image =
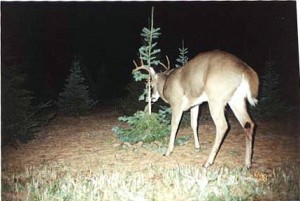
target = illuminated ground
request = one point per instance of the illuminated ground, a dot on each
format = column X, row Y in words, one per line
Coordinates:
column 88, row 143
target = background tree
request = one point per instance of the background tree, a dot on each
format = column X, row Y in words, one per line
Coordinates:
column 16, row 104
column 182, row 58
column 99, row 76
column 20, row 117
column 128, row 104
column 75, row 99
column 271, row 103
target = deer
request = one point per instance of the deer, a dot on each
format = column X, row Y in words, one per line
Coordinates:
column 216, row 77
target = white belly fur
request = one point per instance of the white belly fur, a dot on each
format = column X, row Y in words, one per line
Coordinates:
column 187, row 104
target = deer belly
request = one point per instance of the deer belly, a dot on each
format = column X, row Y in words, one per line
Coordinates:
column 188, row 102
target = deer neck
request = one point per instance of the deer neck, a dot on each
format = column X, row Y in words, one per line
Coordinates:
column 160, row 85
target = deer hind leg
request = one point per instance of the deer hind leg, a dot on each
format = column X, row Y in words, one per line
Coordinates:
column 217, row 113
column 239, row 109
column 194, row 125
column 176, row 116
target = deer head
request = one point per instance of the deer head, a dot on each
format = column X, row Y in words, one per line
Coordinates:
column 157, row 79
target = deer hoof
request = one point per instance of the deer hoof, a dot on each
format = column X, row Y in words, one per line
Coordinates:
column 207, row 164
column 167, row 153
column 248, row 166
column 197, row 149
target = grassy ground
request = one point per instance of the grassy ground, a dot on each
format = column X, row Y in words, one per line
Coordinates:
column 81, row 159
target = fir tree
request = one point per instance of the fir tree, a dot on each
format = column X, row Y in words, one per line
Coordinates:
column 20, row 118
column 148, row 53
column 270, row 103
column 75, row 99
column 182, row 58
column 145, row 126
column 16, row 104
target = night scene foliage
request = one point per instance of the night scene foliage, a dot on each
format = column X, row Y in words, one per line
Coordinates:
column 145, row 126
column 98, row 77
column 182, row 58
column 75, row 99
column 148, row 53
column 17, row 104
column 20, row 118
column 271, row 105
column 128, row 104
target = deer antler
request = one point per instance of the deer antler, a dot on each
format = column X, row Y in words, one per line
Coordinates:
column 142, row 67
column 167, row 68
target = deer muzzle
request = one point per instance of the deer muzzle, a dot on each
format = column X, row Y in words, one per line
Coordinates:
column 154, row 97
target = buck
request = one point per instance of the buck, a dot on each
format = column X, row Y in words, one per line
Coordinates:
column 217, row 77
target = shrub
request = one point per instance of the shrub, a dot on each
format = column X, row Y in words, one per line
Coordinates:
column 143, row 127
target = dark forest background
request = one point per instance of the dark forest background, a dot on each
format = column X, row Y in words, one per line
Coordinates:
column 44, row 36
column 41, row 40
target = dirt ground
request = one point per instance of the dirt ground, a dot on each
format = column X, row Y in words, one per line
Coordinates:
column 88, row 143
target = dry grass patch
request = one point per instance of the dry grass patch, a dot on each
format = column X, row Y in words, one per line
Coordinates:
column 59, row 182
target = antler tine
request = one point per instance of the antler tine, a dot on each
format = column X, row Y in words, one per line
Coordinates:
column 142, row 67
column 168, row 62
column 135, row 64
column 163, row 65
column 167, row 68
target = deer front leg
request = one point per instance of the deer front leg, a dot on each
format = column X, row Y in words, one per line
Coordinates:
column 176, row 116
column 194, row 125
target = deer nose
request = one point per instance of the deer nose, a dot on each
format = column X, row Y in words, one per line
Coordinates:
column 154, row 99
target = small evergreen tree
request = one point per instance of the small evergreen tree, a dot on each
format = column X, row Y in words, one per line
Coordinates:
column 182, row 58
column 75, row 99
column 16, row 104
column 148, row 53
column 20, row 119
column 271, row 104
column 145, row 126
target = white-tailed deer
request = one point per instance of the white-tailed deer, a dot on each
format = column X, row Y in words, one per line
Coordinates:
column 216, row 77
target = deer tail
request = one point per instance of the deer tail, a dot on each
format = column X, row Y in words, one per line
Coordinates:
column 251, row 79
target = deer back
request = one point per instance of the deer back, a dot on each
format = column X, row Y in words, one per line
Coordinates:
column 216, row 74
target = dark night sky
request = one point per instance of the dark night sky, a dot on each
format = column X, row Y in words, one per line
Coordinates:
column 43, row 36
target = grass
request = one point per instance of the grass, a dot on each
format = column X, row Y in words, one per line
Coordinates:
column 58, row 182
